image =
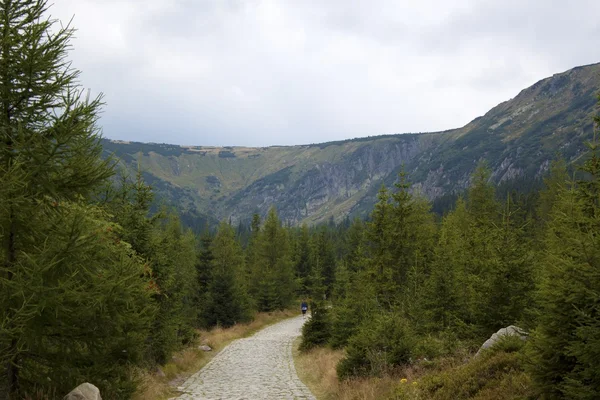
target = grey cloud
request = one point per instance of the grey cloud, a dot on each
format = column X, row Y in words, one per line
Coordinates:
column 261, row 72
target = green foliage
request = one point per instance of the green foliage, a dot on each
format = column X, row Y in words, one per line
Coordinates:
column 493, row 375
column 381, row 344
column 227, row 301
column 316, row 331
column 302, row 260
column 58, row 342
column 566, row 343
column 360, row 304
column 271, row 276
column 173, row 270
column 323, row 258
column 74, row 298
column 203, row 274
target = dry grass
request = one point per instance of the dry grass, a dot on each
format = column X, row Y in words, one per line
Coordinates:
column 494, row 376
column 316, row 368
column 159, row 385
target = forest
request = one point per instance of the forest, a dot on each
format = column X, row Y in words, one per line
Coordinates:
column 94, row 286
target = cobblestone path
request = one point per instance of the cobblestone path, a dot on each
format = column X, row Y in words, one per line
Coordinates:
column 257, row 367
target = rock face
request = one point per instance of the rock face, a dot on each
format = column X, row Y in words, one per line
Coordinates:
column 315, row 183
column 85, row 391
column 508, row 331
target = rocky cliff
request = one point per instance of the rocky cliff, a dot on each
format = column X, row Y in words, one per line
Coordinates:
column 314, row 183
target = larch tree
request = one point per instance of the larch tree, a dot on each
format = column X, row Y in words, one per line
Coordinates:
column 74, row 299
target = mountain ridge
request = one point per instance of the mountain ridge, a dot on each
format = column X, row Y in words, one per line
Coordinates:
column 315, row 182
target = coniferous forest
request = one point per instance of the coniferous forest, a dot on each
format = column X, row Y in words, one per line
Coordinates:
column 94, row 286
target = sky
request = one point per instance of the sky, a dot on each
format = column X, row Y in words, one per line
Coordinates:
column 285, row 72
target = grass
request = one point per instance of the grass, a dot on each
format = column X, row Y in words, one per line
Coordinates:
column 495, row 375
column 159, row 384
column 316, row 368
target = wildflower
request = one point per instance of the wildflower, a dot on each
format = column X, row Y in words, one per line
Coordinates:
column 403, row 380
column 414, row 382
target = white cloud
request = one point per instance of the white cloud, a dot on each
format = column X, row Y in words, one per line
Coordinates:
column 262, row 72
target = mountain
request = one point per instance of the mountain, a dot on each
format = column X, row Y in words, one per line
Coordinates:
column 314, row 183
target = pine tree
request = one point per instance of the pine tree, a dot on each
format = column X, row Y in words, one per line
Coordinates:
column 510, row 284
column 227, row 301
column 204, row 275
column 443, row 293
column 272, row 277
column 302, row 261
column 323, row 257
column 566, row 345
column 57, row 251
column 483, row 258
column 173, row 262
column 355, row 246
column 554, row 184
column 317, row 331
column 413, row 237
column 380, row 257
column 131, row 208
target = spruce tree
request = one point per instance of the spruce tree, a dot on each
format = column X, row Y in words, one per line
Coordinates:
column 302, row 260
column 355, row 246
column 413, row 237
column 323, row 257
column 380, row 257
column 173, row 263
column 566, row 344
column 227, row 301
column 510, row 284
column 443, row 292
column 204, row 276
column 272, row 277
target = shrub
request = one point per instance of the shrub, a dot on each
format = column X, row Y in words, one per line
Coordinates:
column 317, row 330
column 382, row 343
column 494, row 375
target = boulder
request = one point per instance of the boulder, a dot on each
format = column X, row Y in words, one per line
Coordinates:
column 508, row 331
column 85, row 391
column 205, row 347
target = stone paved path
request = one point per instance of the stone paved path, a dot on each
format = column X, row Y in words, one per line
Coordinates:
column 258, row 367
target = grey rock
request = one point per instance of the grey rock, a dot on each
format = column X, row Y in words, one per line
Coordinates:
column 508, row 331
column 205, row 347
column 85, row 391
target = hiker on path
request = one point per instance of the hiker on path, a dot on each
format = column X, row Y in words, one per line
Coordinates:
column 304, row 308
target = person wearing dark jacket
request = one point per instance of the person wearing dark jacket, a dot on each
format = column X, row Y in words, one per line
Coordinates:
column 304, row 308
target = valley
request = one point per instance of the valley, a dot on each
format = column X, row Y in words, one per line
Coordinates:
column 315, row 183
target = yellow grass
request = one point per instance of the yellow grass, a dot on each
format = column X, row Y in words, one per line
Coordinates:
column 316, row 368
column 495, row 376
column 189, row 360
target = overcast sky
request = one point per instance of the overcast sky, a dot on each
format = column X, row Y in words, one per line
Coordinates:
column 260, row 72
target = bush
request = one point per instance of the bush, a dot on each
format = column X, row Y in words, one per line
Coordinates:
column 317, row 330
column 434, row 346
column 508, row 344
column 494, row 375
column 382, row 343
column 343, row 326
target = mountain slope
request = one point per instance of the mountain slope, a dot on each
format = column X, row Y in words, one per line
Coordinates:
column 313, row 183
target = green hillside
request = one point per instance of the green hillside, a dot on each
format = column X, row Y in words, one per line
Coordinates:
column 313, row 183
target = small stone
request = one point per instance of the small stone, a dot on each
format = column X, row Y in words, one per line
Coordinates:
column 205, row 347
